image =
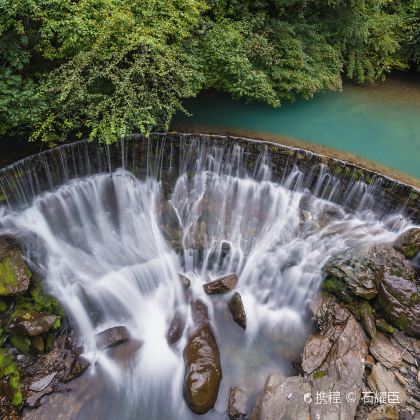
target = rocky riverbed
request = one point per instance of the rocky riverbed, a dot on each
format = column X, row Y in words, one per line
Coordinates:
column 362, row 362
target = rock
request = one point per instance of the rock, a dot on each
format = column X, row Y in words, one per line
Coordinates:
column 315, row 353
column 415, row 403
column 32, row 324
column 384, row 380
column 35, row 400
column 341, row 372
column 408, row 243
column 384, row 351
column 399, row 302
column 176, row 328
column 78, row 367
column 37, row 344
column 203, row 370
column 42, row 383
column 111, row 337
column 384, row 412
column 199, row 312
column 361, row 271
column 368, row 319
column 14, row 273
column 222, row 285
column 171, row 225
column 185, row 281
column 237, row 310
column 369, row 361
column 237, row 404
column 282, row 398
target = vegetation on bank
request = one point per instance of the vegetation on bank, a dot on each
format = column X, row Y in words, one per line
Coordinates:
column 106, row 67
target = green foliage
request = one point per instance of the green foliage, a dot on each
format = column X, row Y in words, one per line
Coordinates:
column 10, row 370
column 105, row 68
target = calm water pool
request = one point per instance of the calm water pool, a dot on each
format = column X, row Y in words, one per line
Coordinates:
column 380, row 123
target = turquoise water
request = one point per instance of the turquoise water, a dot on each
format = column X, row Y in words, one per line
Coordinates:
column 381, row 125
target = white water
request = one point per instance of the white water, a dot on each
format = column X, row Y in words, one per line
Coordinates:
column 105, row 257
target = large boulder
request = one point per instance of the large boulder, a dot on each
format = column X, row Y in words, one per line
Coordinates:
column 222, row 285
column 408, row 243
column 334, row 359
column 282, row 398
column 360, row 272
column 203, row 372
column 399, row 302
column 237, row 310
column 14, row 273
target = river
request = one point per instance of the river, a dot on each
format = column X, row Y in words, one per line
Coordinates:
column 379, row 123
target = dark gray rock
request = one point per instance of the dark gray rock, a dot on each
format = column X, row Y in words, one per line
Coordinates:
column 176, row 328
column 237, row 310
column 111, row 337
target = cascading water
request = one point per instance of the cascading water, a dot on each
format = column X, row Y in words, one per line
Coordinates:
column 110, row 244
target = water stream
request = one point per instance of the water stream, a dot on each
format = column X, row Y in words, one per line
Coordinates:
column 110, row 236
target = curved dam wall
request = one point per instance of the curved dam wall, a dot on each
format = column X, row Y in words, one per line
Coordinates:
column 162, row 154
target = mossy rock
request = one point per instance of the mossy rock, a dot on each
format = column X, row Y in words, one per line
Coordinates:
column 408, row 243
column 14, row 274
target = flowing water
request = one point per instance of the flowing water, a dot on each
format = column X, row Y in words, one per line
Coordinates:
column 110, row 236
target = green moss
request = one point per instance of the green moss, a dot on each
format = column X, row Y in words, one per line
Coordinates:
column 23, row 344
column 3, row 305
column 319, row 374
column 10, row 370
column 385, row 327
column 8, row 278
column 337, row 287
column 414, row 297
column 402, row 322
column 49, row 341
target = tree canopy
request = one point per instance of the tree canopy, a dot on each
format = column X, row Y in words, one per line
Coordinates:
column 105, row 68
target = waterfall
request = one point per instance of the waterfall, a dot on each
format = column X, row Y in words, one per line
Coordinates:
column 111, row 229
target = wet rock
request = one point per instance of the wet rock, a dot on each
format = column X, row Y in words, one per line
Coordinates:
column 399, row 302
column 37, row 344
column 171, row 225
column 237, row 310
column 42, row 383
column 35, row 399
column 203, row 370
column 222, row 285
column 14, row 273
column 199, row 312
column 185, row 281
column 413, row 402
column 368, row 319
column 78, row 367
column 384, row 412
column 112, row 337
column 408, row 243
column 176, row 328
column 384, row 380
column 237, row 404
column 32, row 324
column 384, row 351
column 282, row 398
column 361, row 271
